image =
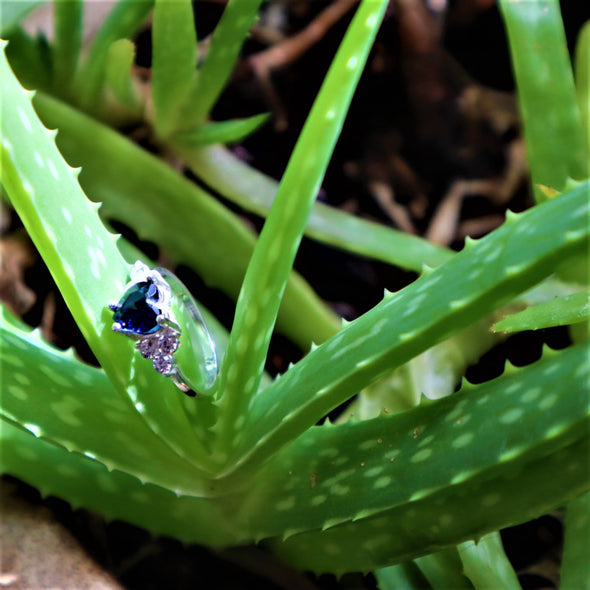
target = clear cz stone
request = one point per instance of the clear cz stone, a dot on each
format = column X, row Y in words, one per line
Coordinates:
column 163, row 364
column 147, row 347
column 168, row 344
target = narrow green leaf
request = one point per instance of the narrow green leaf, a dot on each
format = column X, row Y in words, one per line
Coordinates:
column 552, row 125
column 174, row 62
column 575, row 567
column 255, row 192
column 118, row 74
column 230, row 131
column 405, row 575
column 486, row 564
column 162, row 206
column 86, row 483
column 582, row 76
column 84, row 261
column 359, row 469
column 67, row 18
column 561, row 311
column 486, row 274
column 79, row 405
column 220, row 60
column 340, row 549
column 121, row 23
column 275, row 251
column 30, row 58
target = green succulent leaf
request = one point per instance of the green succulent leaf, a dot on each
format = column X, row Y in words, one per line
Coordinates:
column 229, row 131
column 66, row 46
column 255, row 192
column 275, row 251
column 497, row 472
column 174, row 62
column 575, row 568
column 486, row 564
column 220, row 59
column 360, row 469
column 117, row 75
column 121, row 23
column 30, row 58
column 84, row 261
column 561, row 311
column 582, row 77
column 555, row 143
column 79, row 406
column 87, row 483
column 189, row 224
column 486, row 274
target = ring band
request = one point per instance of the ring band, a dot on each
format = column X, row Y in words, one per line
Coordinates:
column 145, row 314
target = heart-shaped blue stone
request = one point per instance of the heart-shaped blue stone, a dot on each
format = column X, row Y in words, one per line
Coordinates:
column 134, row 314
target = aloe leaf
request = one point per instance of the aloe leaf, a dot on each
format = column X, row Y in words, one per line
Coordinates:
column 121, row 23
column 228, row 131
column 575, row 567
column 582, row 77
column 360, row 469
column 255, row 192
column 174, row 62
column 83, row 259
column 405, row 575
column 117, row 74
column 486, row 274
column 561, row 311
column 275, row 251
column 88, row 484
column 30, row 58
column 67, row 18
column 160, row 205
column 443, row 570
column 45, row 192
column 486, row 564
column 555, row 142
column 79, row 405
column 491, row 472
column 433, row 374
column 222, row 54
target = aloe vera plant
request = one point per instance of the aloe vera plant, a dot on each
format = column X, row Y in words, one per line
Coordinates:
column 247, row 462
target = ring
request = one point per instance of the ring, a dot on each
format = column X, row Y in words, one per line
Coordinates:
column 145, row 313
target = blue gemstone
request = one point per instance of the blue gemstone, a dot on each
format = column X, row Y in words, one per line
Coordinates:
column 133, row 312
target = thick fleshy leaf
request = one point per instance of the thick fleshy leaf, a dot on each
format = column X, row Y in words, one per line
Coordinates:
column 561, row 311
column 555, row 142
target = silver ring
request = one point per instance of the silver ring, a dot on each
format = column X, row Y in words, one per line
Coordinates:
column 147, row 313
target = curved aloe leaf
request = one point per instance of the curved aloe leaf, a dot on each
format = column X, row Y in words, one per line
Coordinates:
column 575, row 568
column 214, row 132
column 255, row 192
column 492, row 481
column 486, row 274
column 79, row 406
column 555, row 142
column 84, row 261
column 67, row 44
column 174, row 62
column 561, row 311
column 222, row 54
column 582, row 76
column 160, row 205
column 121, row 23
column 275, row 251
column 87, row 483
